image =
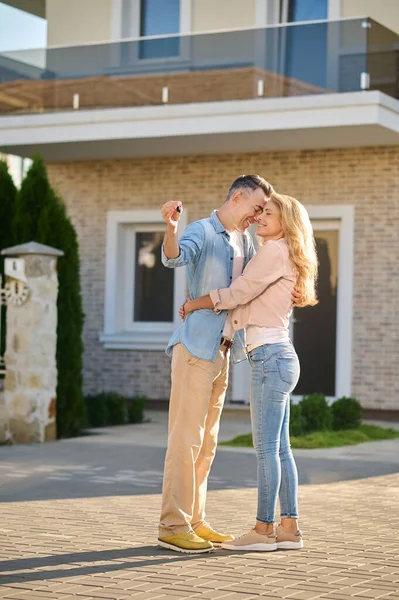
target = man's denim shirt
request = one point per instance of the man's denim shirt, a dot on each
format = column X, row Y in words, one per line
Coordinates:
column 205, row 249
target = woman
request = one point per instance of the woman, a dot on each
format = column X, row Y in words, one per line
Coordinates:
column 261, row 302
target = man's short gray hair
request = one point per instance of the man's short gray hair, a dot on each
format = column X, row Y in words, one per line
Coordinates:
column 250, row 183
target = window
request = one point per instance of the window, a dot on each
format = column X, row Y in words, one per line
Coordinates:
column 142, row 297
column 305, row 10
column 149, row 286
column 304, row 47
column 152, row 283
column 160, row 21
column 159, row 17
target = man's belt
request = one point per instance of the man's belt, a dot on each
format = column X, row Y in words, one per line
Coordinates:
column 226, row 342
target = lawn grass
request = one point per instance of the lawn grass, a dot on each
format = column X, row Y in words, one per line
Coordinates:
column 328, row 439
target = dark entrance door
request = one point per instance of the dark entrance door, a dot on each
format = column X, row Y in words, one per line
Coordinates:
column 315, row 328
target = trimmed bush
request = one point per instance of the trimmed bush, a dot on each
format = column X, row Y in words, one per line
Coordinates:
column 41, row 216
column 110, row 408
column 346, row 413
column 96, row 410
column 135, row 409
column 116, row 405
column 316, row 413
column 104, row 409
column 8, row 195
column 297, row 425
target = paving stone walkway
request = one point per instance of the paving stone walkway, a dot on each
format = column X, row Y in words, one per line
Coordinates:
column 104, row 548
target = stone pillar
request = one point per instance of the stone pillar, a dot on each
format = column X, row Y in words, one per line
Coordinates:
column 30, row 358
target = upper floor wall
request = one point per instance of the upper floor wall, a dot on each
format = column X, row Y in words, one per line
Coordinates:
column 81, row 21
column 385, row 12
column 74, row 22
column 77, row 22
column 208, row 15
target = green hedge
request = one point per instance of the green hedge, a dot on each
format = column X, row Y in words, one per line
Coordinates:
column 135, row 409
column 313, row 413
column 297, row 424
column 346, row 414
column 8, row 196
column 316, row 413
column 110, row 408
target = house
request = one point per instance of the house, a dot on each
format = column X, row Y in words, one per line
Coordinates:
column 137, row 102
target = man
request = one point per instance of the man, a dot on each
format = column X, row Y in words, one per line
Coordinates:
column 215, row 250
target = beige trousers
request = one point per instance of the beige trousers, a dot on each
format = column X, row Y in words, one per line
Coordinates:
column 196, row 402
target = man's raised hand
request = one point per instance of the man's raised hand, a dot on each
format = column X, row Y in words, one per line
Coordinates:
column 171, row 212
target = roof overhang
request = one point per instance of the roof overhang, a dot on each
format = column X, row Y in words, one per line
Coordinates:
column 368, row 118
column 33, row 7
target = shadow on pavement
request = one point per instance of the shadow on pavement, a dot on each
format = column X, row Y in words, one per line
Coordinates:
column 156, row 556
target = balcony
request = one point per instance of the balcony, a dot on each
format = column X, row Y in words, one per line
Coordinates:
column 124, row 91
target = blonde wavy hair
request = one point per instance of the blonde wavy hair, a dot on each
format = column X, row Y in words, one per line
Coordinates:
column 298, row 234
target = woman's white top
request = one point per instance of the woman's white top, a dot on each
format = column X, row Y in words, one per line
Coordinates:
column 257, row 336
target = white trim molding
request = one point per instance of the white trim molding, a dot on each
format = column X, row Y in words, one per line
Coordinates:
column 116, row 20
column 334, row 10
column 185, row 16
column 118, row 333
column 267, row 12
column 343, row 359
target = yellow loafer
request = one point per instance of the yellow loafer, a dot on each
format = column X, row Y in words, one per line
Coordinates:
column 187, row 542
column 206, row 532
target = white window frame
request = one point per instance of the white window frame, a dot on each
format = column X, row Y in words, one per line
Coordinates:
column 275, row 12
column 333, row 9
column 116, row 19
column 345, row 215
column 120, row 331
column 267, row 12
column 141, row 64
column 343, row 358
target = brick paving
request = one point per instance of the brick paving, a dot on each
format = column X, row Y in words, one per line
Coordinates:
column 104, row 548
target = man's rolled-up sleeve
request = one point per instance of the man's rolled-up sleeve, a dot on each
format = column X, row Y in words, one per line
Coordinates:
column 191, row 244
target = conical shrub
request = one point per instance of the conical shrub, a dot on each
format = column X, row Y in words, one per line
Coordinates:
column 8, row 194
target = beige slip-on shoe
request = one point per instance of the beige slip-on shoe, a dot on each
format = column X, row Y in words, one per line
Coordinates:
column 252, row 542
column 289, row 541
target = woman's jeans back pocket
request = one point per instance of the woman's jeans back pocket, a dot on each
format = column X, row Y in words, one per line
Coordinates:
column 288, row 367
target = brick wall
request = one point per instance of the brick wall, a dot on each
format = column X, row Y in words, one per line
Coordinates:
column 366, row 177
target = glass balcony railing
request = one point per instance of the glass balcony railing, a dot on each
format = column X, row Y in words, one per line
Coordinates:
column 322, row 57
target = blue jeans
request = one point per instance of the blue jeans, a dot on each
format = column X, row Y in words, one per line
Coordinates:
column 275, row 373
